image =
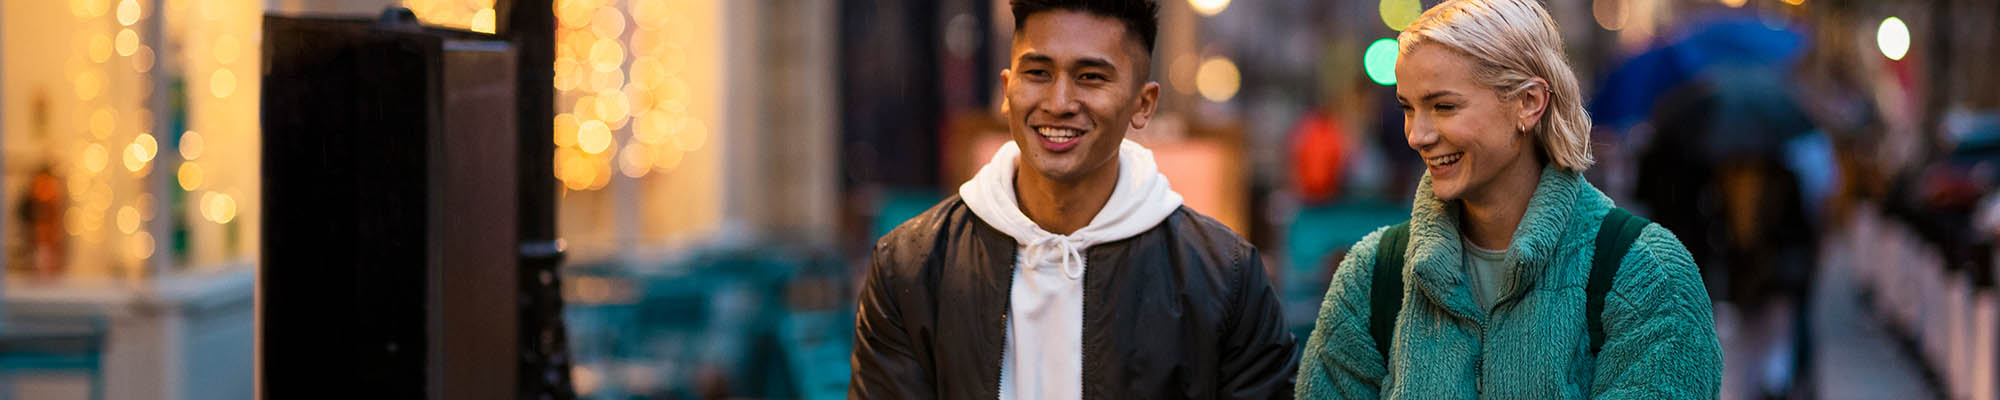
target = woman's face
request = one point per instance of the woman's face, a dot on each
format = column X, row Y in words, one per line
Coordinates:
column 1467, row 134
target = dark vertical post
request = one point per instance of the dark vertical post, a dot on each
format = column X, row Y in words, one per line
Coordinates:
column 545, row 361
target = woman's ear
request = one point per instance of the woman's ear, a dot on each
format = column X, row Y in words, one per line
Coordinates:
column 1534, row 101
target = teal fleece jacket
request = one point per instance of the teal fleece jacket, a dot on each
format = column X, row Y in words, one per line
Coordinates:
column 1659, row 339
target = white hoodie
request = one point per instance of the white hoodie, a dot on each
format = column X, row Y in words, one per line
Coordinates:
column 1043, row 358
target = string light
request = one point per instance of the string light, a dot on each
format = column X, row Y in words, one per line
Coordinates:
column 222, row 83
column 128, row 219
column 93, row 158
column 102, row 122
column 128, row 12
column 100, row 48
column 482, row 21
column 192, row 145
column 593, row 137
column 142, row 60
column 141, row 245
column 127, row 41
column 226, row 49
column 190, row 176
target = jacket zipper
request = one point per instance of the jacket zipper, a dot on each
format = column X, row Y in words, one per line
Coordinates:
column 1083, row 356
column 1006, row 329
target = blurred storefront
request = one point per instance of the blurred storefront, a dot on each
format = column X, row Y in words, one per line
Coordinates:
column 131, row 191
column 724, row 168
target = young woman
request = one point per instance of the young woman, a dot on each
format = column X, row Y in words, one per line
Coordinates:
column 1495, row 287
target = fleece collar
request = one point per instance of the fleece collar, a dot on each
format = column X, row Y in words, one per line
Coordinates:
column 1435, row 252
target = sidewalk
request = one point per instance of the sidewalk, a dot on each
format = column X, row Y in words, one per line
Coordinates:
column 1857, row 359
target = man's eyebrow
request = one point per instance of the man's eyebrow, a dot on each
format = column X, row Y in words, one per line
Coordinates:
column 1036, row 57
column 1090, row 62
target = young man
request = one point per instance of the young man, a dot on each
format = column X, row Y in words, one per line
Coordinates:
column 1067, row 268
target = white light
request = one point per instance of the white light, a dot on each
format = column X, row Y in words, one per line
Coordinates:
column 1894, row 38
column 1209, row 7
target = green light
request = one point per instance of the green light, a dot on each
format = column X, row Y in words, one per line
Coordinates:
column 1894, row 38
column 1380, row 61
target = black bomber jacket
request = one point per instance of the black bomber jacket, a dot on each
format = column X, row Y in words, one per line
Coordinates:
column 1182, row 310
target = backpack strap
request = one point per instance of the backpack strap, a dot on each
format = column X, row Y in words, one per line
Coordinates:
column 1614, row 238
column 1386, row 296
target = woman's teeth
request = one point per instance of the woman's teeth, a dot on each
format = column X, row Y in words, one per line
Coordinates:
column 1059, row 135
column 1444, row 160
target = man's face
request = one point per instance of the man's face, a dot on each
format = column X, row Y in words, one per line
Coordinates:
column 1076, row 83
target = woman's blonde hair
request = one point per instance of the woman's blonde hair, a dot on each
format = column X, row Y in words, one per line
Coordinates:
column 1513, row 42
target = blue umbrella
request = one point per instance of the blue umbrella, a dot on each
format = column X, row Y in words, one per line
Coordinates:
column 1627, row 95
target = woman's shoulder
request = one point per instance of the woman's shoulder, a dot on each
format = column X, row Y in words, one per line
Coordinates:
column 1357, row 269
column 1657, row 262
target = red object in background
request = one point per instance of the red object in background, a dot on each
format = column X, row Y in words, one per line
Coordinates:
column 1319, row 157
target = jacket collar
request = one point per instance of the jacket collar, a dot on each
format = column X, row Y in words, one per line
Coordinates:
column 1436, row 256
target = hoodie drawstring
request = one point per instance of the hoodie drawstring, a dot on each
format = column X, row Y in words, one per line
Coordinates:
column 1071, row 255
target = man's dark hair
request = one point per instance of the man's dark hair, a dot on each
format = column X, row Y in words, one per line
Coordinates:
column 1141, row 17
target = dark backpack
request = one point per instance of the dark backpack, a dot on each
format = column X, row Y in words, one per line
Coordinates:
column 1614, row 237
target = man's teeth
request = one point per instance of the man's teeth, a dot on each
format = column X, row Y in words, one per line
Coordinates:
column 1059, row 135
column 1444, row 160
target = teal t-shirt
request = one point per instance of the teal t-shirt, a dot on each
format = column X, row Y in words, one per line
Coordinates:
column 1483, row 271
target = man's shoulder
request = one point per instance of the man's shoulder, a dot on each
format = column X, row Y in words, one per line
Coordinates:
column 915, row 238
column 1193, row 228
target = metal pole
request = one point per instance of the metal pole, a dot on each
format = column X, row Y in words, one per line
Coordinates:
column 544, row 347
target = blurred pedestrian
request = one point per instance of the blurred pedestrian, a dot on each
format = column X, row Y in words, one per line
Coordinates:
column 1067, row 267
column 1514, row 277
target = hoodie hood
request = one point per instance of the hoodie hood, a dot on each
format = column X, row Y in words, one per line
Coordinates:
column 1140, row 201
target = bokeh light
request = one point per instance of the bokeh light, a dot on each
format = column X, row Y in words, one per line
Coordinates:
column 1380, row 61
column 1894, row 38
column 1398, row 14
column 1209, row 7
column 1217, row 79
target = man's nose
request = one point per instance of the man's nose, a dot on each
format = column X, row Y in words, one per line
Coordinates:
column 1063, row 101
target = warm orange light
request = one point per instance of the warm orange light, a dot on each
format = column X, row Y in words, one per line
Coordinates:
column 141, row 245
column 128, row 12
column 93, row 158
column 127, row 42
column 142, row 60
column 226, row 49
column 482, row 21
column 102, row 122
column 566, row 128
column 222, row 83
column 100, row 48
column 147, row 145
column 134, row 157
column 606, row 55
column 128, row 219
column 613, row 107
column 224, row 208
column 635, row 160
column 192, row 145
column 190, row 176
column 608, row 23
column 593, row 136
column 692, row 136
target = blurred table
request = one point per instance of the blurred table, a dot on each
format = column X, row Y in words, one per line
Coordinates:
column 183, row 336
